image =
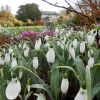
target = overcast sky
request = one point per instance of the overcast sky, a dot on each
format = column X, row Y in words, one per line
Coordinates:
column 14, row 4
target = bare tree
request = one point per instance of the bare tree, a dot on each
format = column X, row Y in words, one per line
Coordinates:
column 88, row 10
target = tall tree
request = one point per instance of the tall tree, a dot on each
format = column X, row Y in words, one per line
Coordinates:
column 28, row 11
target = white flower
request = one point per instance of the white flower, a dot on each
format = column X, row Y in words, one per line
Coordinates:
column 81, row 95
column 40, row 96
column 28, row 88
column 69, row 57
column 13, row 89
column 65, row 39
column 35, row 62
column 72, row 52
column 47, row 37
column 1, row 61
column 38, row 44
column 81, row 33
column 20, row 45
column 24, row 46
column 90, row 39
column 91, row 61
column 75, row 43
column 14, row 63
column 10, row 50
column 58, row 43
column 26, row 52
column 47, row 44
column 7, row 58
column 50, row 55
column 56, row 30
column 64, row 85
column 4, row 50
column 20, row 74
column 82, row 47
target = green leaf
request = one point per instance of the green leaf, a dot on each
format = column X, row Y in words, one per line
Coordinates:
column 95, row 90
column 96, row 55
column 80, row 69
column 95, row 74
column 28, row 95
column 54, row 85
column 38, row 86
column 88, row 82
column 31, row 72
column 2, row 88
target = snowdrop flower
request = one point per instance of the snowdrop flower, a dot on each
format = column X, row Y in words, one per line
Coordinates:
column 58, row 43
column 64, row 85
column 81, row 33
column 47, row 37
column 7, row 58
column 82, row 47
column 26, row 52
column 35, row 62
column 61, row 31
column 47, row 44
column 91, row 61
column 69, row 57
column 20, row 45
column 68, row 34
column 38, row 44
column 75, row 43
column 4, row 50
column 81, row 95
column 13, row 89
column 24, row 46
column 50, row 55
column 28, row 88
column 20, row 74
column 65, row 39
column 14, row 63
column 40, row 96
column 90, row 39
column 57, row 30
column 1, row 61
column 10, row 50
column 72, row 52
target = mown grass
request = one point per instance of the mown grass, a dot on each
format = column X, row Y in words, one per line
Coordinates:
column 18, row 30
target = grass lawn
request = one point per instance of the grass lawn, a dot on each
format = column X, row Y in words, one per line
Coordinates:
column 18, row 30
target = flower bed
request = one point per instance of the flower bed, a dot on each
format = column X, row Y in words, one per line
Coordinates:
column 54, row 67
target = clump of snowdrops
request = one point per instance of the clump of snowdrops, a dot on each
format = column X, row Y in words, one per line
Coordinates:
column 48, row 69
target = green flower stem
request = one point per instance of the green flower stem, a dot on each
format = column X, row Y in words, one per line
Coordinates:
column 48, row 91
column 71, row 69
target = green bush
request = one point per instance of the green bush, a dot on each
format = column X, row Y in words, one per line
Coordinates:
column 19, row 23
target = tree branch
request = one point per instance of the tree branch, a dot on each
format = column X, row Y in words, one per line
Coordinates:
column 72, row 10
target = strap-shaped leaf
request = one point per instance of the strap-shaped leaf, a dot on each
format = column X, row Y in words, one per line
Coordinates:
column 38, row 86
column 88, row 82
column 95, row 90
column 80, row 69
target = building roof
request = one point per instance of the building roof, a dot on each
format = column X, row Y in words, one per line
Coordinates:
column 49, row 13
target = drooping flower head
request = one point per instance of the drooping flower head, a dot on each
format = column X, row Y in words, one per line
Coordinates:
column 13, row 89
